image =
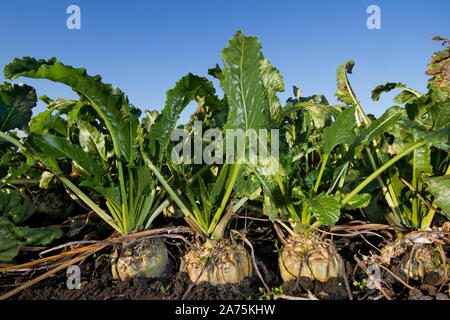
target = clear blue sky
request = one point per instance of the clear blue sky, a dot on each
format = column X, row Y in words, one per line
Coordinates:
column 144, row 47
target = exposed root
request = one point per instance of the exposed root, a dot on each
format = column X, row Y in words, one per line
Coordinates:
column 417, row 254
column 63, row 260
column 308, row 256
column 225, row 263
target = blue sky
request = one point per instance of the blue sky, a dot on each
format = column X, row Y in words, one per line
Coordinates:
column 144, row 47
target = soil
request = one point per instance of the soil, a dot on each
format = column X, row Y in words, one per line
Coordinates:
column 97, row 282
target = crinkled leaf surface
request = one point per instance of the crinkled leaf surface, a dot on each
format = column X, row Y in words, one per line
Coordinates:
column 92, row 140
column 407, row 95
column 343, row 91
column 325, row 208
column 160, row 132
column 340, row 131
column 110, row 104
column 439, row 67
column 12, row 236
column 15, row 205
column 381, row 125
column 243, row 84
column 8, row 249
column 273, row 83
column 53, row 147
column 16, row 102
column 440, row 187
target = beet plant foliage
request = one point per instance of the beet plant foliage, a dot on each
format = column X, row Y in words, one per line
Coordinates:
column 331, row 159
column 16, row 103
column 111, row 150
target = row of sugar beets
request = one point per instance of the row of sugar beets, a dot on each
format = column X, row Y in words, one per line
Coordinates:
column 327, row 159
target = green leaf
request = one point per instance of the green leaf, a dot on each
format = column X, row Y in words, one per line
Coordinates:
column 361, row 200
column 340, row 131
column 45, row 121
column 440, row 187
column 219, row 186
column 12, row 236
column 385, row 123
column 375, row 213
column 297, row 193
column 247, row 185
column 8, row 249
column 92, row 140
column 13, row 172
column 269, row 207
column 440, row 113
column 110, row 193
column 185, row 90
column 16, row 102
column 320, row 114
column 343, row 91
column 439, row 138
column 46, row 178
column 39, row 236
column 129, row 134
column 243, row 84
column 421, row 160
column 15, row 205
column 325, row 208
column 52, row 148
column 149, row 119
column 110, row 104
column 145, row 181
column 272, row 197
column 273, row 83
column 216, row 72
column 406, row 96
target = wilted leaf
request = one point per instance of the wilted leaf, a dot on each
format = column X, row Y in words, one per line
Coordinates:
column 343, row 90
column 407, row 95
column 439, row 67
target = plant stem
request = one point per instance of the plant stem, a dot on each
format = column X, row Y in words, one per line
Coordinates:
column 123, row 197
column 23, row 181
column 322, row 168
column 171, row 192
column 380, row 170
column 91, row 204
column 225, row 198
column 115, row 214
column 131, row 205
column 415, row 200
column 10, row 139
column 287, row 200
column 388, row 192
column 145, row 209
column 291, row 232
